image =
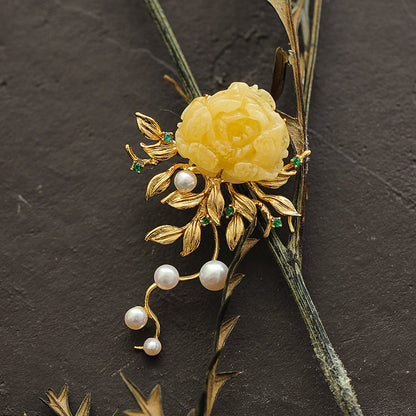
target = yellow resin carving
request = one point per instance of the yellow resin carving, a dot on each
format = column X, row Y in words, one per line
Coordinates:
column 235, row 130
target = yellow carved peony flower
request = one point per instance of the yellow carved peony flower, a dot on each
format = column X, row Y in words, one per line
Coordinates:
column 235, row 130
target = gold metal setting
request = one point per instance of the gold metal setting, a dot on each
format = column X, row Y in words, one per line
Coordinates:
column 209, row 203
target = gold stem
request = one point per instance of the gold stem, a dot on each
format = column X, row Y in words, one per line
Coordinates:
column 153, row 286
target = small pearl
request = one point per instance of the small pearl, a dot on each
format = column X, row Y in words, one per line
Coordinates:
column 136, row 318
column 185, row 181
column 152, row 346
column 213, row 275
column 166, row 277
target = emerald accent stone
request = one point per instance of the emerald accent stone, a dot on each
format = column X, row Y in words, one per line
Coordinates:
column 205, row 220
column 277, row 222
column 229, row 211
column 137, row 167
column 168, row 137
column 296, row 161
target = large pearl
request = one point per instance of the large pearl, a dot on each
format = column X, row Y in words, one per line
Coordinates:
column 213, row 275
column 166, row 277
column 152, row 346
column 136, row 318
column 185, row 181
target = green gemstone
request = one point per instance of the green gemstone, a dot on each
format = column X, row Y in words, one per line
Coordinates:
column 137, row 167
column 277, row 222
column 168, row 137
column 296, row 161
column 205, row 220
column 229, row 211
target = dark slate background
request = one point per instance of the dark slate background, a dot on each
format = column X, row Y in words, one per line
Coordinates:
column 73, row 216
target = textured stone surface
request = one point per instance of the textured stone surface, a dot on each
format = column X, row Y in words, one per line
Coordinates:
column 73, row 218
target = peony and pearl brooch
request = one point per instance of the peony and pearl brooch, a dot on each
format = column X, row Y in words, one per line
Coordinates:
column 234, row 136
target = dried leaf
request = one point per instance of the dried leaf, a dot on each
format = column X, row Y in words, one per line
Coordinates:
column 280, row 179
column 295, row 132
column 281, row 204
column 150, row 407
column 234, row 281
column 183, row 200
column 158, row 183
column 215, row 204
column 225, row 330
column 244, row 205
column 149, row 128
column 235, row 230
column 159, row 151
column 191, row 237
column 214, row 385
column 164, row 234
column 59, row 404
column 84, row 408
column 279, row 73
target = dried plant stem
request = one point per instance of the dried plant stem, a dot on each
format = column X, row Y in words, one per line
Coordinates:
column 188, row 81
column 289, row 259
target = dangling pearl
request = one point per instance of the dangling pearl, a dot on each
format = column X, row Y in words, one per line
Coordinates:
column 152, row 346
column 166, row 277
column 213, row 275
column 136, row 318
column 185, row 181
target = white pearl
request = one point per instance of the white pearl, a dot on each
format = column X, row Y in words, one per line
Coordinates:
column 213, row 275
column 185, row 181
column 136, row 318
column 152, row 346
column 166, row 277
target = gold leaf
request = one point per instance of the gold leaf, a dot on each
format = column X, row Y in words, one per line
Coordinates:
column 235, row 230
column 149, row 128
column 158, row 183
column 183, row 200
column 215, row 204
column 160, row 151
column 164, row 234
column 150, row 407
column 280, row 179
column 244, row 205
column 225, row 330
column 191, row 237
column 192, row 413
column 281, row 204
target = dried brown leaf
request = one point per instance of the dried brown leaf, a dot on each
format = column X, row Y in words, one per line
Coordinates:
column 159, row 151
column 279, row 73
column 214, row 385
column 150, row 407
column 235, row 230
column 225, row 330
column 281, row 204
column 191, row 237
column 234, row 281
column 158, row 183
column 149, row 128
column 215, row 204
column 164, row 234
column 183, row 200
column 59, row 403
